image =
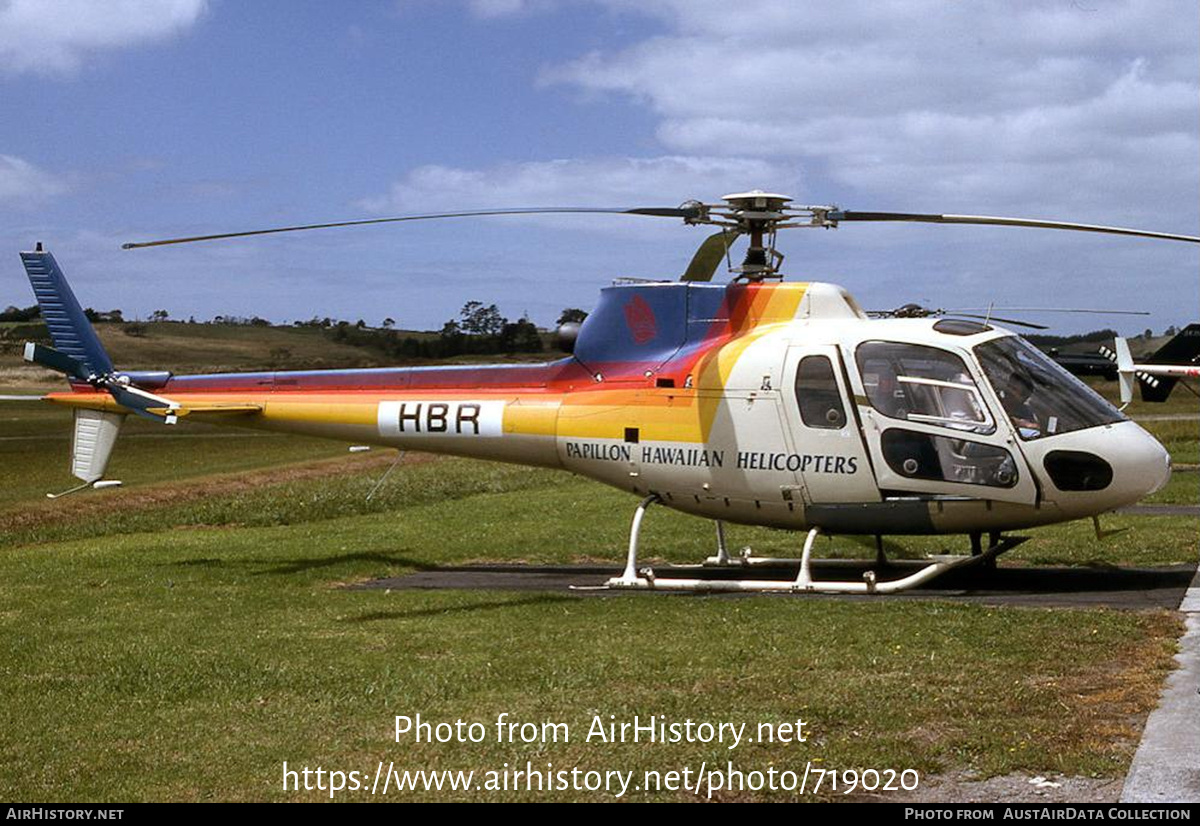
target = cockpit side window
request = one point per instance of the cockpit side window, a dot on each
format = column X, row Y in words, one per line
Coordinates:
column 1040, row 397
column 818, row 395
column 922, row 384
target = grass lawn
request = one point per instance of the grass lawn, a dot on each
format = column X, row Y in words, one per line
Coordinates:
column 190, row 664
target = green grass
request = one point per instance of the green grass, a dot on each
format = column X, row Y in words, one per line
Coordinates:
column 1181, row 438
column 1183, row 489
column 35, row 442
column 187, row 665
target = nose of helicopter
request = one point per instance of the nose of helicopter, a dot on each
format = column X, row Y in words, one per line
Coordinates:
column 1099, row 469
column 1141, row 465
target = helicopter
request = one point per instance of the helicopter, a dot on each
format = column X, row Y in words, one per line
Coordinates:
column 757, row 402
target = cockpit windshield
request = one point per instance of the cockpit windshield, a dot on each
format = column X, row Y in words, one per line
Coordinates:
column 1040, row 397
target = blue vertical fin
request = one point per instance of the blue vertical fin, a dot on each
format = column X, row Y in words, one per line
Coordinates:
column 69, row 328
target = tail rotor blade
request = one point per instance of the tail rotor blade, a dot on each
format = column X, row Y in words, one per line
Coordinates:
column 142, row 403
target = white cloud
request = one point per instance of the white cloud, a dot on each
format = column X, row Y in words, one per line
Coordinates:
column 54, row 37
column 22, row 182
column 604, row 182
column 927, row 104
column 488, row 9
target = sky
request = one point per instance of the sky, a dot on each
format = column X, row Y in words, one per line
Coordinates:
column 132, row 120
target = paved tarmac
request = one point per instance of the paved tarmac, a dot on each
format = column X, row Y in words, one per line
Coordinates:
column 1166, row 768
column 1161, row 510
column 1123, row 588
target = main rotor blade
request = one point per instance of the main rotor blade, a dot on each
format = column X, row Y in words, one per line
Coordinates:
column 684, row 212
column 843, row 215
column 1028, row 324
column 1050, row 310
column 708, row 256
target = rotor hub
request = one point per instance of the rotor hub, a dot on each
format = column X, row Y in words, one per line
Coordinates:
column 758, row 214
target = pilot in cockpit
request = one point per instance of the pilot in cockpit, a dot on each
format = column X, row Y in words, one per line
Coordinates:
column 1015, row 398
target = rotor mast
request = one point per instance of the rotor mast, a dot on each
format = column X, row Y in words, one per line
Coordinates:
column 758, row 214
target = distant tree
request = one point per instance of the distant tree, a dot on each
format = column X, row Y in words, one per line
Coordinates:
column 12, row 313
column 159, row 315
column 520, row 337
column 478, row 320
column 360, row 324
column 450, row 341
column 1148, row 334
column 1170, row 331
column 389, row 323
column 115, row 316
column 571, row 314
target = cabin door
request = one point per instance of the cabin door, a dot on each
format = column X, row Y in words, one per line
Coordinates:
column 826, row 444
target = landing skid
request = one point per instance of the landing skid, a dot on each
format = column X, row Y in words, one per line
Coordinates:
column 645, row 579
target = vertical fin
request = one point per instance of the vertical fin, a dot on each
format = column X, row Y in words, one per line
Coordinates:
column 1183, row 348
column 1124, row 377
column 95, row 434
column 69, row 328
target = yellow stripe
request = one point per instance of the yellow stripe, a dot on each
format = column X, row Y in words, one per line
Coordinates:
column 659, row 416
column 531, row 417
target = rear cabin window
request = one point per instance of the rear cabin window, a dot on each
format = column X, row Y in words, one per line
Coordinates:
column 818, row 395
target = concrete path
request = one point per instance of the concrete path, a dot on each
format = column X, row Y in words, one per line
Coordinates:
column 1166, row 768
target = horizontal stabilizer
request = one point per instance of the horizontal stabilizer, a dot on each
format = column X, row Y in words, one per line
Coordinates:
column 188, row 409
